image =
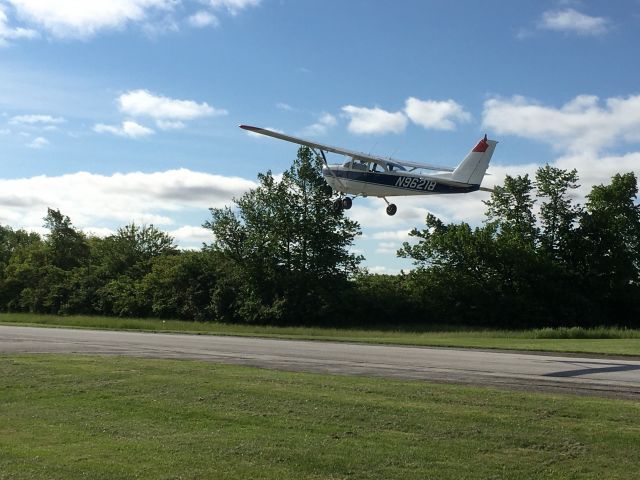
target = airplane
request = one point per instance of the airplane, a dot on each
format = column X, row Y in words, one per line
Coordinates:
column 369, row 175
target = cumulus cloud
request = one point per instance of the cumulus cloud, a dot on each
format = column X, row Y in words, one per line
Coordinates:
column 569, row 20
column 129, row 129
column 324, row 123
column 430, row 114
column 582, row 124
column 438, row 115
column 364, row 120
column 168, row 113
column 84, row 19
column 93, row 200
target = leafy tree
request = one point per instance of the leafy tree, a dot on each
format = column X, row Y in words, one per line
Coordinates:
column 68, row 246
column 131, row 250
column 289, row 245
column 511, row 207
column 610, row 233
column 558, row 215
column 182, row 286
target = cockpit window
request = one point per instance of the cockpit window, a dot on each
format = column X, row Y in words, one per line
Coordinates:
column 394, row 166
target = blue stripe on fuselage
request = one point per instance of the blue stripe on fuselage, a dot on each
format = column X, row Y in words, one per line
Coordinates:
column 404, row 182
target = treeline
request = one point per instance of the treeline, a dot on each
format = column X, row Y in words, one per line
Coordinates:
column 282, row 256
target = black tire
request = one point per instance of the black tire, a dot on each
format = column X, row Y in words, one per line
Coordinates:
column 346, row 203
column 391, row 209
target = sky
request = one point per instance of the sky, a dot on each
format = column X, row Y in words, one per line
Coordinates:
column 120, row 111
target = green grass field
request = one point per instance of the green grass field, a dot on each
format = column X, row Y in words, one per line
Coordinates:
column 66, row 417
column 611, row 341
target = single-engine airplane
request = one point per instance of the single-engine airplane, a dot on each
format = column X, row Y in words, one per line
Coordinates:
column 368, row 175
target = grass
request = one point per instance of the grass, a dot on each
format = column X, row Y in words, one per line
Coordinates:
column 601, row 340
column 101, row 418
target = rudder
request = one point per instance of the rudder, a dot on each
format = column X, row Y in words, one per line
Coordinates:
column 472, row 169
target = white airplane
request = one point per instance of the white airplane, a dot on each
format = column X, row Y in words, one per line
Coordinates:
column 368, row 175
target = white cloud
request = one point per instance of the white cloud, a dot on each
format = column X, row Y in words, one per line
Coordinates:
column 233, row 6
column 4, row 131
column 12, row 33
column 571, row 21
column 191, row 235
column 98, row 231
column 38, row 143
column 402, row 235
column 203, row 19
column 324, row 123
column 374, row 120
column 580, row 125
column 438, row 115
column 169, row 113
column 36, row 120
column 94, row 201
column 128, row 129
column 382, row 270
column 83, row 18
column 387, row 247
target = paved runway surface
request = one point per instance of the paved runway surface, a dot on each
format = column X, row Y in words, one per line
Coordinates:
column 552, row 373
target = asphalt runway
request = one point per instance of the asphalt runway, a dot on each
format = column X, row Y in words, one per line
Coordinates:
column 520, row 371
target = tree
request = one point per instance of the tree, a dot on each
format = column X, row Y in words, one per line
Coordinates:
column 558, row 215
column 131, row 249
column 610, row 233
column 289, row 245
column 182, row 286
column 68, row 246
column 511, row 207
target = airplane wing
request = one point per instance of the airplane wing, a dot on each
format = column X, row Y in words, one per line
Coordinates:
column 342, row 151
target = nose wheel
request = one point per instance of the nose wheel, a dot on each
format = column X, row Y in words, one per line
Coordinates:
column 340, row 204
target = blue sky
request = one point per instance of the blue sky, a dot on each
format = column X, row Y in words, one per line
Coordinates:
column 117, row 111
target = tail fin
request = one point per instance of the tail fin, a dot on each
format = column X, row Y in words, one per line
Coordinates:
column 472, row 169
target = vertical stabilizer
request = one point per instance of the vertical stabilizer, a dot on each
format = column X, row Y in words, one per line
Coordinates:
column 472, row 169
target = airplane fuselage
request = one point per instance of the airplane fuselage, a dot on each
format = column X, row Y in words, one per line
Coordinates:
column 388, row 184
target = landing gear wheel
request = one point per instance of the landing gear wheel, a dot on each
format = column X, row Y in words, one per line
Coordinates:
column 391, row 209
column 346, row 203
column 337, row 205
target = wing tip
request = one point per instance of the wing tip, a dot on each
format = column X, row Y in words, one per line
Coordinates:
column 249, row 127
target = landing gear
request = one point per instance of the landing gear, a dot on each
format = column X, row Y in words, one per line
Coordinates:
column 342, row 203
column 391, row 209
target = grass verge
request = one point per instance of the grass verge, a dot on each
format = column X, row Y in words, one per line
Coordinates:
column 603, row 340
column 96, row 417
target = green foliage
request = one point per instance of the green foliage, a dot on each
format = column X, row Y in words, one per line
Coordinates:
column 287, row 246
column 582, row 267
column 67, row 246
column 281, row 256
